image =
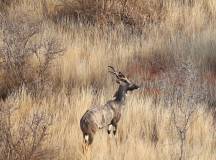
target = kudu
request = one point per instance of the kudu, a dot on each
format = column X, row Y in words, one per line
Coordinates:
column 109, row 114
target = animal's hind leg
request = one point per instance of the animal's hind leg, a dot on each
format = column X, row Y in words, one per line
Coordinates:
column 85, row 143
column 88, row 139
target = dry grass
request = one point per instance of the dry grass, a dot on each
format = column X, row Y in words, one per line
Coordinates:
column 169, row 49
column 141, row 120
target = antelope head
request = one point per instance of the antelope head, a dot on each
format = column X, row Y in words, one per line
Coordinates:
column 125, row 84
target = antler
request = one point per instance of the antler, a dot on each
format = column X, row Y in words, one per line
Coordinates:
column 113, row 71
column 119, row 75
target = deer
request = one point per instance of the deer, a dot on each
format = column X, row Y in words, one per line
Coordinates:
column 109, row 114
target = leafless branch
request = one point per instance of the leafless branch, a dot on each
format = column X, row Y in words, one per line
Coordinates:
column 182, row 126
column 27, row 143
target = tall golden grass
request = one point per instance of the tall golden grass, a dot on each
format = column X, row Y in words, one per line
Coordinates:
column 163, row 36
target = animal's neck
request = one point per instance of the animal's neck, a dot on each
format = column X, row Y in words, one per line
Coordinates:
column 120, row 95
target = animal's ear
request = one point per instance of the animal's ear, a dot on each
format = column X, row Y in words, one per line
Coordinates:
column 133, row 87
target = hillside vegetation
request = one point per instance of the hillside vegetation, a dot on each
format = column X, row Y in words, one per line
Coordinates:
column 53, row 67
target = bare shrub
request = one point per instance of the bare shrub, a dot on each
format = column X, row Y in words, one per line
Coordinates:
column 22, row 42
column 5, row 4
column 25, row 142
column 129, row 12
column 181, row 119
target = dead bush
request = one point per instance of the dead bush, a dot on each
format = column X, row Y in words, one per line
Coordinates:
column 128, row 12
column 5, row 4
column 26, row 141
column 25, row 53
column 182, row 118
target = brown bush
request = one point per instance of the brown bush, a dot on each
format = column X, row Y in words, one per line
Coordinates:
column 128, row 12
column 5, row 4
column 18, row 50
column 26, row 142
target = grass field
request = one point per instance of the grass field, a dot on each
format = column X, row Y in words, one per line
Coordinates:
column 54, row 57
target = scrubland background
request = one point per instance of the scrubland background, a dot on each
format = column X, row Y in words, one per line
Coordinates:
column 53, row 66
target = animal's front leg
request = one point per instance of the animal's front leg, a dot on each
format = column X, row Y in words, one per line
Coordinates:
column 115, row 131
column 115, row 122
column 109, row 129
column 114, row 128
